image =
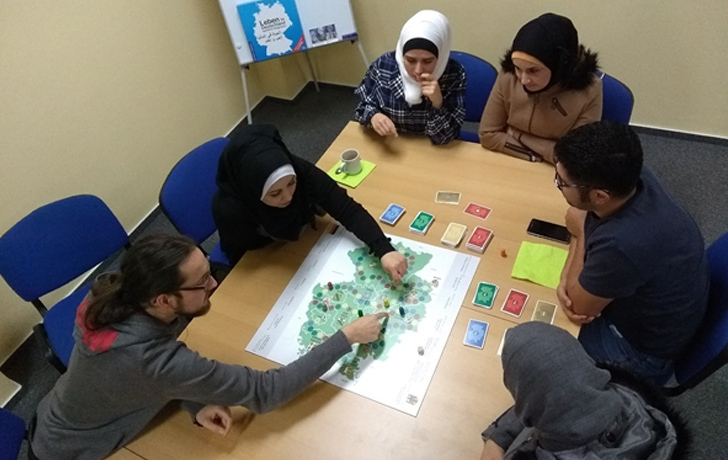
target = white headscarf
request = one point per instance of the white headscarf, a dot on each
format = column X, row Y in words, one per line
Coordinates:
column 275, row 176
column 433, row 26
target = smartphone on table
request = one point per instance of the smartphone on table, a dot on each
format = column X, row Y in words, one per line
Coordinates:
column 548, row 230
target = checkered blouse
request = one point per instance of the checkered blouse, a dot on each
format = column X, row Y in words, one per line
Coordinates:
column 382, row 91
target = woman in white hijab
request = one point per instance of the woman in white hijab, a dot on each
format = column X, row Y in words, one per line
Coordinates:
column 417, row 88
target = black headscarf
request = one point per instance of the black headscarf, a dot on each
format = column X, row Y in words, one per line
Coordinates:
column 250, row 157
column 553, row 40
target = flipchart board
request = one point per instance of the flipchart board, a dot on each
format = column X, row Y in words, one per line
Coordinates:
column 267, row 29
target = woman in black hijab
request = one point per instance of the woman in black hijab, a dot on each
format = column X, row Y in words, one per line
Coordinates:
column 266, row 194
column 547, row 87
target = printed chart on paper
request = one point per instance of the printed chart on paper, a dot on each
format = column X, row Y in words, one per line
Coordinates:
column 338, row 278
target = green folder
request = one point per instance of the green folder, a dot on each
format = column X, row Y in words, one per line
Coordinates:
column 540, row 263
column 349, row 180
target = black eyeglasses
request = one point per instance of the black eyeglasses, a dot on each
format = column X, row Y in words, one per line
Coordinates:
column 560, row 184
column 202, row 287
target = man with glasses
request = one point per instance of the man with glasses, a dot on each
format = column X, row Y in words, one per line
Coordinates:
column 128, row 364
column 636, row 276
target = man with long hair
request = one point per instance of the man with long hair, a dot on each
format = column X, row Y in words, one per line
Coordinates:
column 128, row 364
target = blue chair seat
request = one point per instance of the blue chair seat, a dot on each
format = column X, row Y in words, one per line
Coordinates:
column 49, row 248
column 218, row 257
column 480, row 75
column 12, row 433
column 617, row 100
column 59, row 322
column 186, row 195
column 708, row 350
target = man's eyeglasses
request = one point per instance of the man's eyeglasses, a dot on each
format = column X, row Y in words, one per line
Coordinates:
column 202, row 287
column 560, row 184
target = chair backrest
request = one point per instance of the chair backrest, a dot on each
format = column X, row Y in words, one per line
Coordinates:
column 480, row 75
column 58, row 242
column 617, row 100
column 186, row 196
column 709, row 349
column 12, row 432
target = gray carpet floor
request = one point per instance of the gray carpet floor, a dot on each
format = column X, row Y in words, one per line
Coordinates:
column 693, row 169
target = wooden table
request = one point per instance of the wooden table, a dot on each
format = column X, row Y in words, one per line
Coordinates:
column 466, row 392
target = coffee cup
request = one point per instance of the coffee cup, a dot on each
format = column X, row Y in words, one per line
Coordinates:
column 350, row 162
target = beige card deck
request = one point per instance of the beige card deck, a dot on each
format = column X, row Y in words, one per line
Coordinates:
column 544, row 312
column 447, row 197
column 453, row 234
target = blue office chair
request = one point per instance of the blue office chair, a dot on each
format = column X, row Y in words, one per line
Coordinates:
column 481, row 77
column 617, row 100
column 186, row 195
column 50, row 247
column 12, row 433
column 708, row 351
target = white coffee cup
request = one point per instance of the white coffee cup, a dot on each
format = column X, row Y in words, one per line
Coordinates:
column 350, row 162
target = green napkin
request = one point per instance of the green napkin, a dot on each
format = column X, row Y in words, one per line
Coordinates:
column 540, row 263
column 351, row 181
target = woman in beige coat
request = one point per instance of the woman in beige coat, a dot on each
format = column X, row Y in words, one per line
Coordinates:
column 547, row 87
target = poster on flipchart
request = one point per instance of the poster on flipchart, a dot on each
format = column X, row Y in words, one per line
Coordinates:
column 267, row 29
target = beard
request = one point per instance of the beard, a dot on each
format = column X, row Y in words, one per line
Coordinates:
column 202, row 311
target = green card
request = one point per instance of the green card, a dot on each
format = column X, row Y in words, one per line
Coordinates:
column 421, row 223
column 485, row 295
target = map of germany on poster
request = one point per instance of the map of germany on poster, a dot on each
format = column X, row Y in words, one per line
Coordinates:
column 273, row 28
column 338, row 278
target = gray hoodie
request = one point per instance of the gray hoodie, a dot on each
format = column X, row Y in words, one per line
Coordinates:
column 118, row 379
column 568, row 408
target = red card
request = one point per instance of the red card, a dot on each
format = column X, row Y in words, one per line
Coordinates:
column 477, row 210
column 515, row 303
column 480, row 237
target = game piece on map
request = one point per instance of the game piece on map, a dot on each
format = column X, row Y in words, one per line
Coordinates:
column 421, row 223
column 475, row 334
column 401, row 311
column 447, row 197
column 386, row 303
column 330, row 286
column 515, row 303
column 392, row 214
column 544, row 312
column 485, row 295
column 453, row 234
column 361, row 313
column 503, row 341
column 477, row 210
column 479, row 239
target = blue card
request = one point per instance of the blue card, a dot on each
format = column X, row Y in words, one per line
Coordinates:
column 475, row 335
column 392, row 214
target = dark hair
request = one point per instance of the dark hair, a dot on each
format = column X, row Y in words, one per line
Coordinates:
column 604, row 155
column 148, row 269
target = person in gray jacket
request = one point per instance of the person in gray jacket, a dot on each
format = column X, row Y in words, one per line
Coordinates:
column 567, row 408
column 127, row 363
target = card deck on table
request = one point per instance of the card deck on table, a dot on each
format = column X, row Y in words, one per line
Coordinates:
column 503, row 341
column 392, row 214
column 485, row 295
column 479, row 239
column 453, row 234
column 475, row 335
column 421, row 223
column 544, row 312
column 477, row 210
column 447, row 197
column 515, row 303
